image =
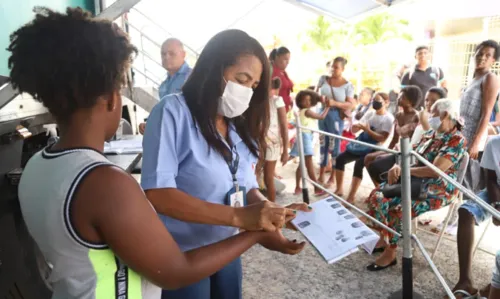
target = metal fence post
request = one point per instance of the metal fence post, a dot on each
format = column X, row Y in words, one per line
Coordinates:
column 302, row 162
column 407, row 273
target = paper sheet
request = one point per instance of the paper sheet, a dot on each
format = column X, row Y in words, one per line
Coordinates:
column 334, row 231
column 129, row 145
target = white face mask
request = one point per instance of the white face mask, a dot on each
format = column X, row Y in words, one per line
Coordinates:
column 235, row 100
column 435, row 122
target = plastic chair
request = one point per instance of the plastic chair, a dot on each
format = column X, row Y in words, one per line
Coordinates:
column 126, row 127
column 457, row 200
column 481, row 238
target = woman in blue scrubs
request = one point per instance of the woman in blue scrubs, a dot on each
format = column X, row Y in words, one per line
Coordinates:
column 200, row 151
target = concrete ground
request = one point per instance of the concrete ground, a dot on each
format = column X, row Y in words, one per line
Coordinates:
column 275, row 276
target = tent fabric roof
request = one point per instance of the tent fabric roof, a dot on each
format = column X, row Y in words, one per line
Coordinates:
column 341, row 9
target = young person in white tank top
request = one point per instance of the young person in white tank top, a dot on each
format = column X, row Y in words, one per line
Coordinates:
column 91, row 219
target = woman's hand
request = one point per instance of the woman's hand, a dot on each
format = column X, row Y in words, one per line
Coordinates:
column 423, row 114
column 361, row 126
column 284, row 156
column 296, row 207
column 263, row 215
column 474, row 151
column 393, row 175
column 142, row 128
column 275, row 241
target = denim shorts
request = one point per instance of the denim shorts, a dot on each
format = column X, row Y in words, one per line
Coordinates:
column 495, row 281
column 307, row 141
column 476, row 210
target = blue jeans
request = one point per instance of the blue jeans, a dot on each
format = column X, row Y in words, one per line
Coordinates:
column 334, row 124
column 495, row 281
column 480, row 214
column 225, row 284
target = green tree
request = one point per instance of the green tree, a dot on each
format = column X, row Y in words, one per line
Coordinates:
column 371, row 30
column 321, row 33
column 380, row 28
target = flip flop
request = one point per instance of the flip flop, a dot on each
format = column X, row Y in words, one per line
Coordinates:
column 374, row 267
column 320, row 193
column 465, row 294
column 378, row 250
column 479, row 296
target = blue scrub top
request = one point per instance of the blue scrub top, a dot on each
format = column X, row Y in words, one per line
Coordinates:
column 173, row 84
column 176, row 155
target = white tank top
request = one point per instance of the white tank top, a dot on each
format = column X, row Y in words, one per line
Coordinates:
column 81, row 270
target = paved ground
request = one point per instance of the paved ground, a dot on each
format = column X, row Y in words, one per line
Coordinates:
column 269, row 275
column 274, row 276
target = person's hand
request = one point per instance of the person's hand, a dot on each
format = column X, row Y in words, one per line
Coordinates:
column 363, row 126
column 496, row 222
column 393, row 175
column 423, row 114
column 405, row 130
column 263, row 215
column 474, row 151
column 275, row 241
column 322, row 99
column 284, row 157
column 142, row 127
column 296, row 207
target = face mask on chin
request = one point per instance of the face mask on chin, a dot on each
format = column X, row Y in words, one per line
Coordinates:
column 235, row 100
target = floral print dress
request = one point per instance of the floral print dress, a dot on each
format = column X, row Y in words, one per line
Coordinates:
column 440, row 193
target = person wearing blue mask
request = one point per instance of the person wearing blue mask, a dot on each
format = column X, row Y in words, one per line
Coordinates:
column 200, row 151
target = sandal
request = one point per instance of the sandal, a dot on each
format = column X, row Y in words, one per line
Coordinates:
column 320, row 193
column 479, row 296
column 465, row 294
column 374, row 267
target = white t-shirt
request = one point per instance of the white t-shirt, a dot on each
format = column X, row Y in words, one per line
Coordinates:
column 274, row 128
column 491, row 156
column 379, row 123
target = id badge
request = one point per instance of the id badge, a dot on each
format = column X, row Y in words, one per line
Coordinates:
column 236, row 199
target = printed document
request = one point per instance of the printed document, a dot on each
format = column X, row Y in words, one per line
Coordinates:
column 334, row 231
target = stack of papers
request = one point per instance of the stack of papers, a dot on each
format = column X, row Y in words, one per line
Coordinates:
column 334, row 231
column 130, row 144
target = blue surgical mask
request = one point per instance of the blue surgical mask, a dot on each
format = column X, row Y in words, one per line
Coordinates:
column 435, row 122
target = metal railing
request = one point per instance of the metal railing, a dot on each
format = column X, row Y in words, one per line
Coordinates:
column 406, row 235
column 146, row 65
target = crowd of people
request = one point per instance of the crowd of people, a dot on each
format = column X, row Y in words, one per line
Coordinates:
column 441, row 130
column 216, row 128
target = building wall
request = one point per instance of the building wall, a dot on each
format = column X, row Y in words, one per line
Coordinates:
column 14, row 13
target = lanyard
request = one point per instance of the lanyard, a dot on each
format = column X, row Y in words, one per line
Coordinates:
column 233, row 164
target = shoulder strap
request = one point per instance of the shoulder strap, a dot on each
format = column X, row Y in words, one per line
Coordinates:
column 436, row 70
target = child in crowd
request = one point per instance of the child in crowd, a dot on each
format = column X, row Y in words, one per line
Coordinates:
column 376, row 127
column 406, row 120
column 428, row 120
column 364, row 102
column 363, row 106
column 277, row 138
column 305, row 100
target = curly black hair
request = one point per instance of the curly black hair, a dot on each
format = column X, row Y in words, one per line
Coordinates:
column 413, row 93
column 315, row 98
column 490, row 44
column 67, row 61
column 441, row 92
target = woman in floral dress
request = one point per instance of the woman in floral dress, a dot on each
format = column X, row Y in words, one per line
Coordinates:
column 445, row 148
